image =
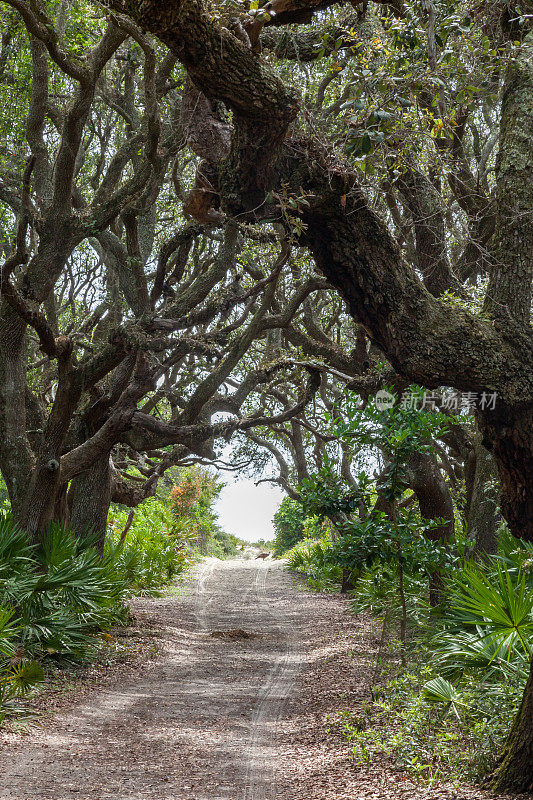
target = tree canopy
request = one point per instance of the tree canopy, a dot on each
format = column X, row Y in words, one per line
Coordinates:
column 216, row 216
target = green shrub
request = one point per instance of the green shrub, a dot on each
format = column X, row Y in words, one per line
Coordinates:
column 156, row 547
column 516, row 554
column 375, row 589
column 450, row 719
column 288, row 525
column 223, row 545
column 430, row 729
column 191, row 502
column 60, row 593
column 55, row 600
column 487, row 628
column 16, row 680
column 312, row 559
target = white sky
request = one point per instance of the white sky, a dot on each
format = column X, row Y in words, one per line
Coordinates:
column 246, row 510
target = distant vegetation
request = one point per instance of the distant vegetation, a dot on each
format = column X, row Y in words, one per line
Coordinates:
column 292, row 525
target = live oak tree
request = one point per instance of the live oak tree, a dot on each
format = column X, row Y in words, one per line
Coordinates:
column 119, row 335
column 385, row 171
column 426, row 340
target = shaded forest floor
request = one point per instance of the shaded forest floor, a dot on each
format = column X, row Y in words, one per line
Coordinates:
column 232, row 690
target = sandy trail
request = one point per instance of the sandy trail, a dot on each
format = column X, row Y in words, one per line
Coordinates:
column 223, row 717
column 201, row 724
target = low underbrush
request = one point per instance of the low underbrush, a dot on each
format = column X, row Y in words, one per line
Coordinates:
column 311, row 558
column 154, row 550
column 411, row 725
column 60, row 600
column 444, row 698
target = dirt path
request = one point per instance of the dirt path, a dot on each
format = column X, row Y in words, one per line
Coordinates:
column 237, row 706
column 201, row 724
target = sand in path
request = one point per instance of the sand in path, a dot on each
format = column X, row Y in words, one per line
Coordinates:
column 201, row 724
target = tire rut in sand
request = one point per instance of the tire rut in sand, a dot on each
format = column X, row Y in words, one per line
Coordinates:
column 277, row 689
column 200, row 724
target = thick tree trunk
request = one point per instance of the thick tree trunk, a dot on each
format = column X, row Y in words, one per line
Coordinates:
column 435, row 502
column 61, row 509
column 46, row 480
column 509, row 436
column 354, row 250
column 89, row 501
column 16, row 457
column 508, row 432
column 347, row 584
column 482, row 511
column 427, row 209
column 424, row 477
column 515, row 770
column 222, row 67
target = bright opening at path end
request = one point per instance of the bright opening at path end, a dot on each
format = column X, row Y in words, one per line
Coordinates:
column 246, row 510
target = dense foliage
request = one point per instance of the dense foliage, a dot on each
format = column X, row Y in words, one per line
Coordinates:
column 291, row 525
column 192, row 501
column 447, row 693
column 154, row 549
column 448, row 713
column 55, row 600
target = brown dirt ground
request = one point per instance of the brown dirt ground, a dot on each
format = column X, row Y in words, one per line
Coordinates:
column 185, row 715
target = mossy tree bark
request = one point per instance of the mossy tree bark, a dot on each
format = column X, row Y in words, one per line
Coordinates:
column 435, row 503
column 89, row 500
column 482, row 508
column 224, row 68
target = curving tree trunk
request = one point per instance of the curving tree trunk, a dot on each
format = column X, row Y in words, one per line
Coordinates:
column 16, row 458
column 435, row 503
